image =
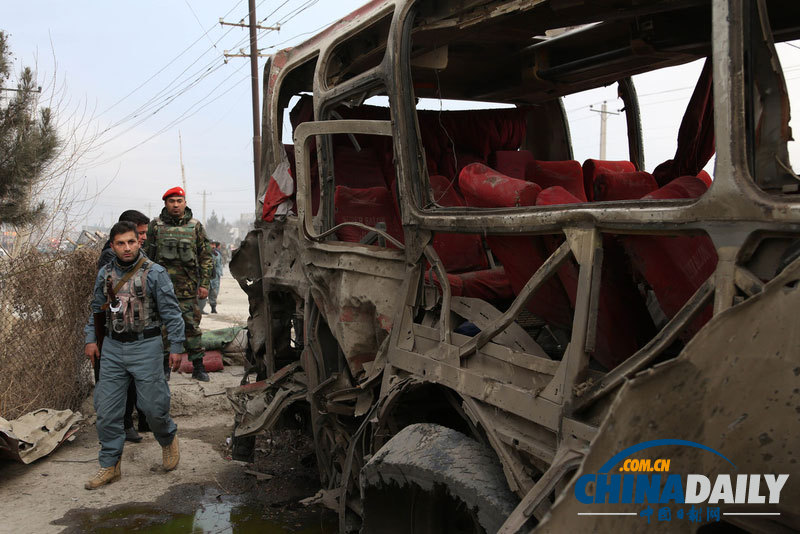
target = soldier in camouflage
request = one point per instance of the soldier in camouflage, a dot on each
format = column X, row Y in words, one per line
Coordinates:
column 179, row 243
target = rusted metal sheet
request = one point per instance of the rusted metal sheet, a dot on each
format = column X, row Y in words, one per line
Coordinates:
column 36, row 434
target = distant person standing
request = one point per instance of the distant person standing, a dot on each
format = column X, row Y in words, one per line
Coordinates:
column 178, row 242
column 213, row 289
column 107, row 256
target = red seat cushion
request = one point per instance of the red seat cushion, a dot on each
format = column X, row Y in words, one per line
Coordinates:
column 368, row 206
column 675, row 267
column 703, row 175
column 592, row 168
column 556, row 195
column 514, row 163
column 487, row 188
column 521, row 256
column 567, row 174
column 491, row 285
column 458, row 252
column 682, row 187
column 623, row 185
column 623, row 323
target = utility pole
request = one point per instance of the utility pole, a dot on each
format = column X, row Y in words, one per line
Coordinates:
column 180, row 154
column 253, row 26
column 604, row 113
column 204, row 194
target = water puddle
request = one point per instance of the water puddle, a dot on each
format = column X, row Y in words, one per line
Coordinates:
column 214, row 515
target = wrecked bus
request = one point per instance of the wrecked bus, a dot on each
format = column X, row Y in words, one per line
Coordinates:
column 474, row 325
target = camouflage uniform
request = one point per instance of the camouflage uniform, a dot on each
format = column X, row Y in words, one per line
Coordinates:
column 182, row 247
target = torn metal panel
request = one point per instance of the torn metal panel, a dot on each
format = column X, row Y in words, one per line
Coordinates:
column 36, row 434
column 710, row 396
column 259, row 406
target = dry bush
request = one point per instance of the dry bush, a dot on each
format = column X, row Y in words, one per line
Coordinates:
column 44, row 305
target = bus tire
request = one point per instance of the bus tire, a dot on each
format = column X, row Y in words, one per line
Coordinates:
column 429, row 478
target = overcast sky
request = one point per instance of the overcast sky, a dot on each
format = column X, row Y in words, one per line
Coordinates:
column 149, row 69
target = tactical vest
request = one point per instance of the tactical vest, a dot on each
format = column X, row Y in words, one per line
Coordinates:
column 176, row 244
column 134, row 310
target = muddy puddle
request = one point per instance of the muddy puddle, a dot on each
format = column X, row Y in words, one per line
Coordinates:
column 217, row 514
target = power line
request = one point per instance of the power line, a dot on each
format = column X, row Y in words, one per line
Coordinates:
column 199, row 23
column 184, row 116
column 162, row 69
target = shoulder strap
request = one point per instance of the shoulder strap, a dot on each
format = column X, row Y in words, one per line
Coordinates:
column 125, row 278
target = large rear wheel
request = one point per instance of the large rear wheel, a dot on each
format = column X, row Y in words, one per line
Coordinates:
column 430, row 479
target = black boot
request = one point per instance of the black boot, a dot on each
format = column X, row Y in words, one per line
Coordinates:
column 199, row 372
column 213, row 309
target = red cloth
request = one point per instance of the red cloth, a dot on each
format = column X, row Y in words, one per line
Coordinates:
column 354, row 168
column 592, row 168
column 368, row 206
column 623, row 185
column 174, row 192
column 567, row 174
column 514, row 163
column 212, row 361
column 487, row 188
column 696, row 143
column 274, row 198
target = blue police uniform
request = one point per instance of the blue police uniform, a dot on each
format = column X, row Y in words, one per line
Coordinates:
column 132, row 350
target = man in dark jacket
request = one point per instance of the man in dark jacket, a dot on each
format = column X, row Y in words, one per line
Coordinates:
column 106, row 256
column 178, row 242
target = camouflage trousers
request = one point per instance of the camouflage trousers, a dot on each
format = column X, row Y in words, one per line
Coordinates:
column 190, row 310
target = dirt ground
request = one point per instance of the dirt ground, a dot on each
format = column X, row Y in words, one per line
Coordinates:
column 48, row 495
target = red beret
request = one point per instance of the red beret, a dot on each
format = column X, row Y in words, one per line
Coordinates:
column 174, row 192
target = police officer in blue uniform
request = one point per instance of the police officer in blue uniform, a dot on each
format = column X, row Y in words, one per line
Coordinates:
column 137, row 297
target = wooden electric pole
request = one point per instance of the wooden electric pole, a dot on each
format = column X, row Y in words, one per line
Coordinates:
column 604, row 113
column 204, row 194
column 180, row 155
column 254, row 55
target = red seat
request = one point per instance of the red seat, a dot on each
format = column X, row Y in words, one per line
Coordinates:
column 463, row 255
column 514, row 163
column 705, row 177
column 487, row 188
column 623, row 185
column 592, row 168
column 556, row 195
column 623, row 323
column 567, row 174
column 458, row 252
column 675, row 267
column 522, row 165
column 491, row 285
column 368, row 206
column 521, row 256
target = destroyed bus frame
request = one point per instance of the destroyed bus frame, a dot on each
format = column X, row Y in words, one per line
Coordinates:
column 364, row 333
